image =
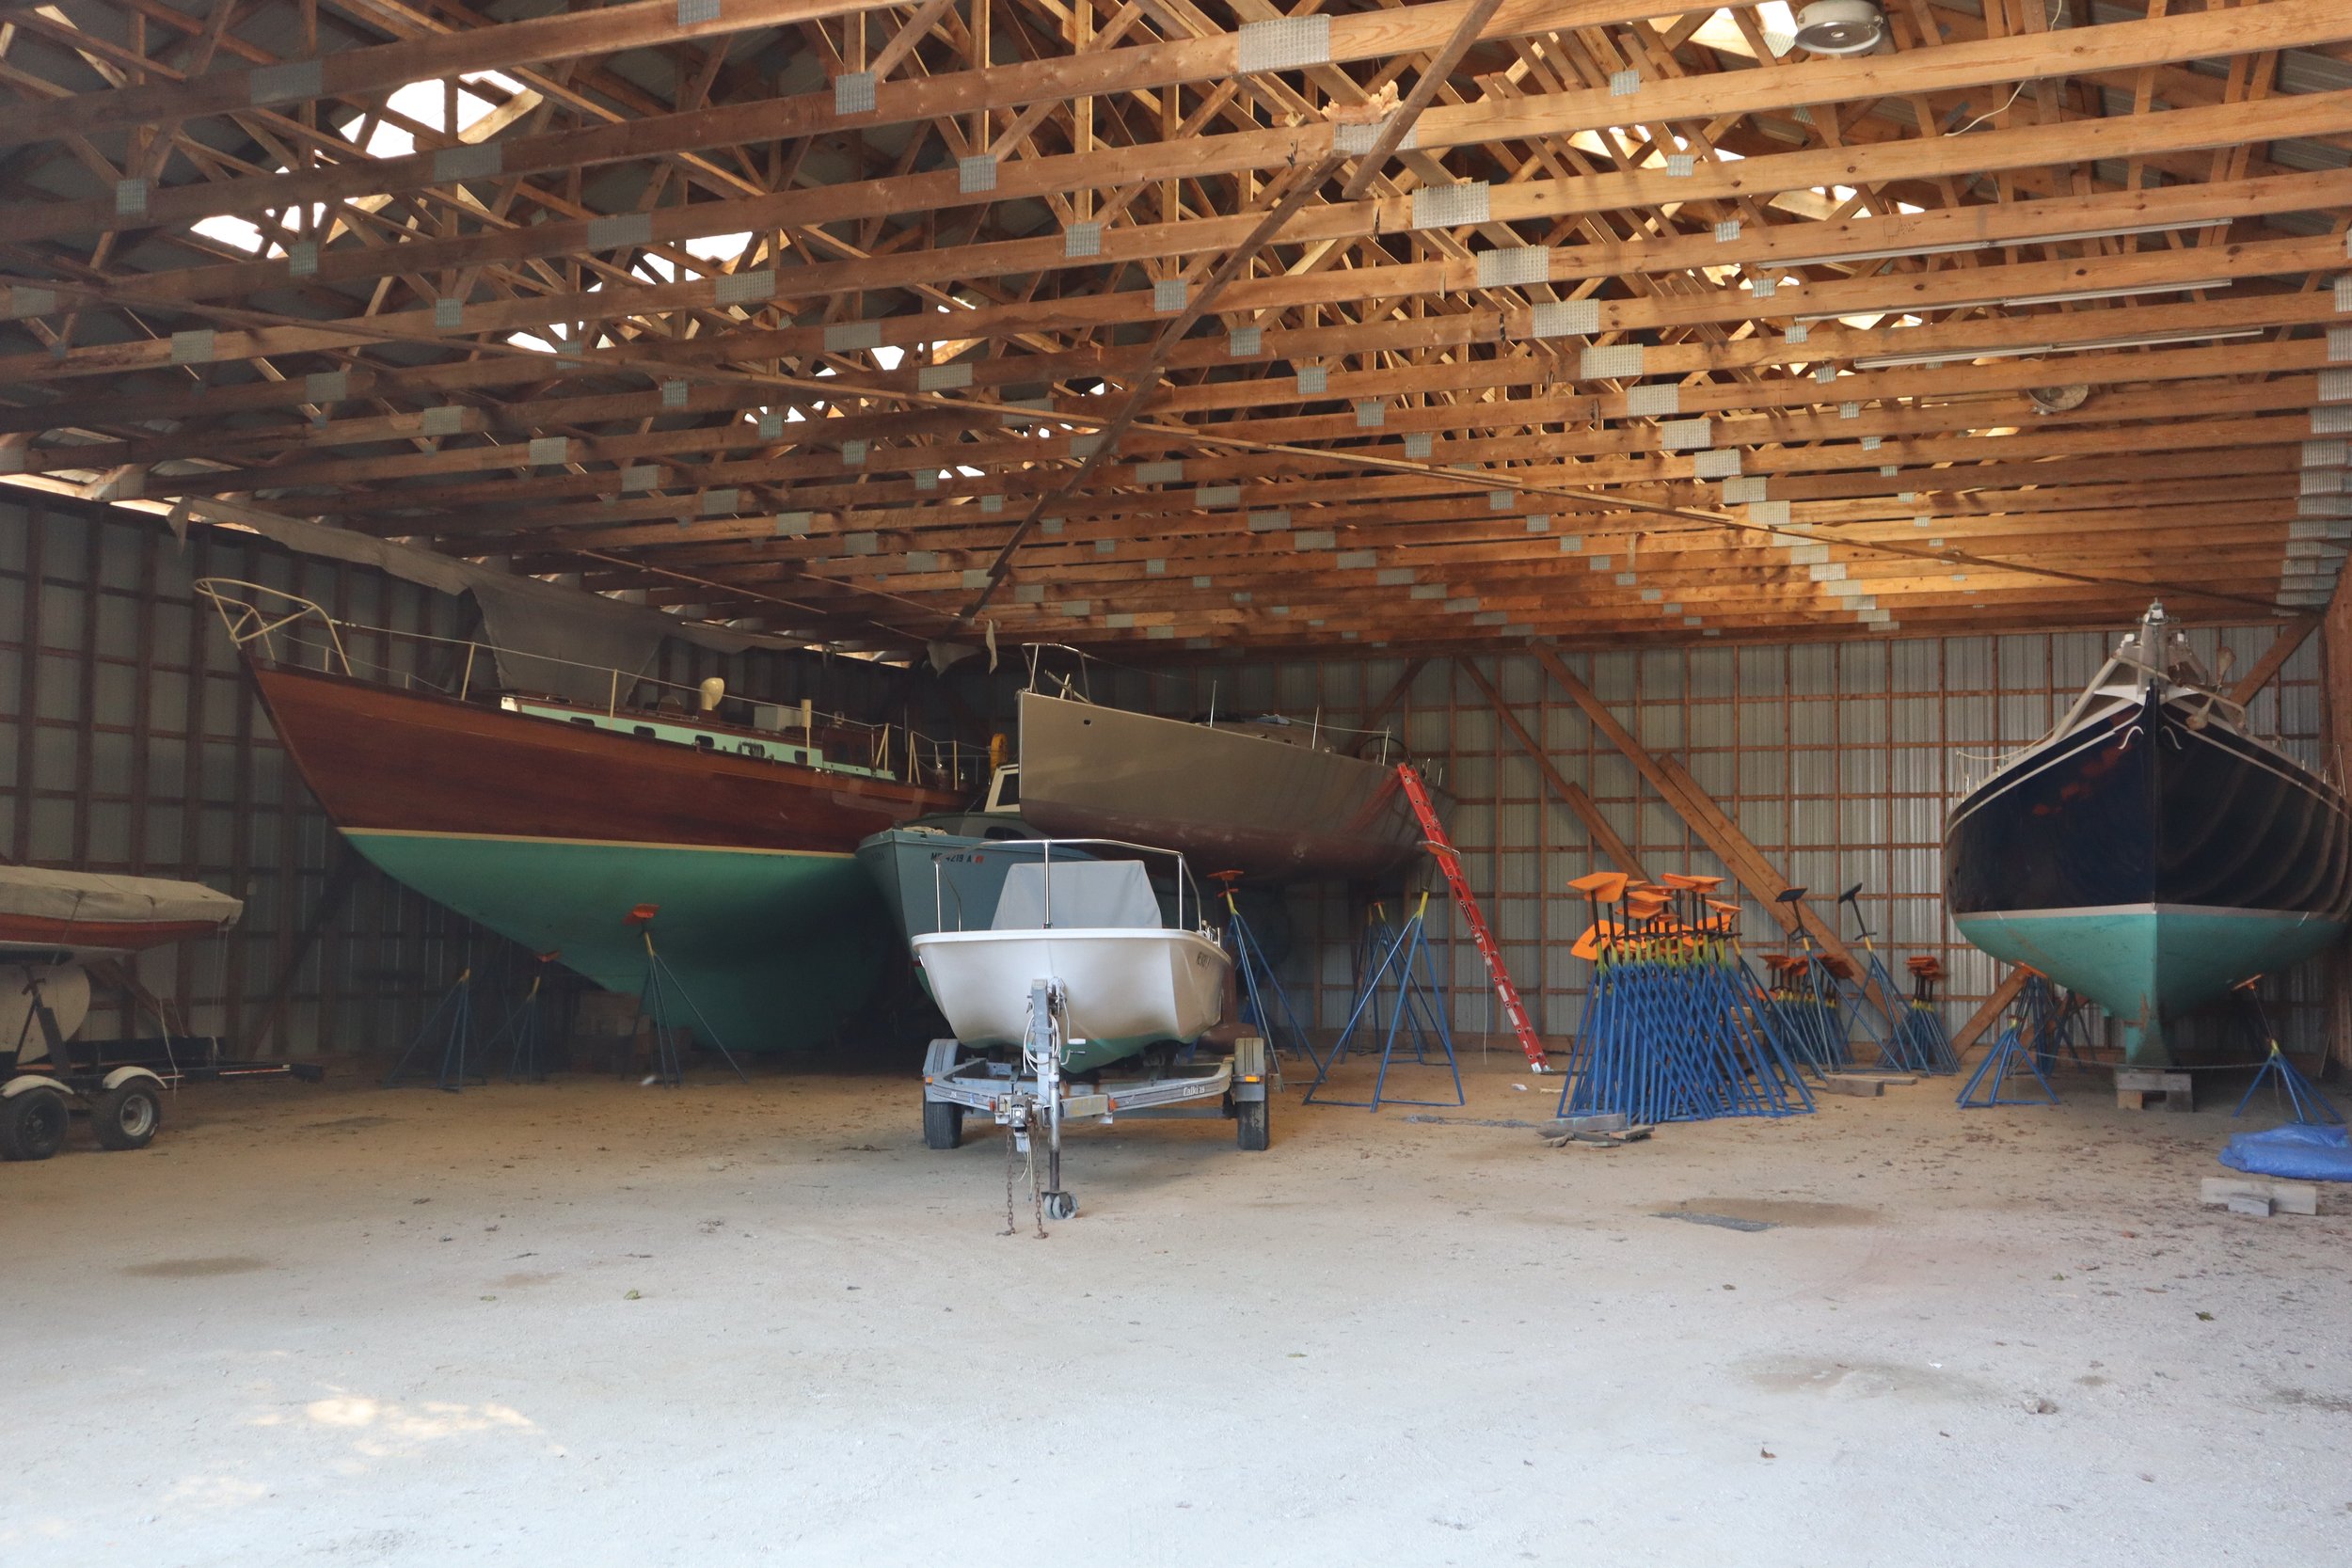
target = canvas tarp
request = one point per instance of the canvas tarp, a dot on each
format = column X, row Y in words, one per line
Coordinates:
column 1086, row 894
column 79, row 897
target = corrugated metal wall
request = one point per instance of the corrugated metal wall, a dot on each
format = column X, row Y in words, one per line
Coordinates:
column 1838, row 760
column 131, row 742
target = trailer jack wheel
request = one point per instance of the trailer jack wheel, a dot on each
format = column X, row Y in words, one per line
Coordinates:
column 1060, row 1205
column 32, row 1124
column 127, row 1116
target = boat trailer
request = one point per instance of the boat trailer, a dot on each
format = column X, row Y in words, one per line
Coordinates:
column 1031, row 1101
column 120, row 1082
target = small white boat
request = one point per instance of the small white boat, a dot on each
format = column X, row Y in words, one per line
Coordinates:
column 1092, row 928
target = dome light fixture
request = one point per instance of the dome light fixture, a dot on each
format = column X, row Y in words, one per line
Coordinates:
column 1841, row 27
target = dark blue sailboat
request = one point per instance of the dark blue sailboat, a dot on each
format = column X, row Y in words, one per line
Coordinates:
column 2149, row 853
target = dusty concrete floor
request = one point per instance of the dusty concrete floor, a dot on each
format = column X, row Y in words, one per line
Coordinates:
column 587, row 1323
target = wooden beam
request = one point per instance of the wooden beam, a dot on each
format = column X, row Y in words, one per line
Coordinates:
column 1958, row 65
column 243, row 332
column 1988, row 1012
column 2335, row 733
column 1790, row 244
column 1293, row 197
column 1380, row 710
column 339, row 878
column 2291, row 637
column 1716, row 830
column 1572, row 796
column 360, row 72
column 1433, row 72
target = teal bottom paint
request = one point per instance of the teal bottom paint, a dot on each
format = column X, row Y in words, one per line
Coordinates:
column 775, row 949
column 2145, row 962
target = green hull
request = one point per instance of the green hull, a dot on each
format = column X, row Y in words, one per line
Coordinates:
column 2145, row 962
column 775, row 948
column 945, row 882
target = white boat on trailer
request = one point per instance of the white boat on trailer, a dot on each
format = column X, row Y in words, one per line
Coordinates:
column 1078, row 974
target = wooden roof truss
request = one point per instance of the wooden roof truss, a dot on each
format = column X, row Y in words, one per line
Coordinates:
column 1136, row 321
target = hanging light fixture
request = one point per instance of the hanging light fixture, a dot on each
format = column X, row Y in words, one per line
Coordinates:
column 1841, row 27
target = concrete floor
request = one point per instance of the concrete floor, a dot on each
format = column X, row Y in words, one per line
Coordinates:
column 587, row 1323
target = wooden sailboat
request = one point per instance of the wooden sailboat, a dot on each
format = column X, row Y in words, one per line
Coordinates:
column 549, row 821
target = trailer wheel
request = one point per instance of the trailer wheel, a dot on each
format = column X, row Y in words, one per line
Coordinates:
column 127, row 1115
column 32, row 1124
column 1253, row 1124
column 943, row 1124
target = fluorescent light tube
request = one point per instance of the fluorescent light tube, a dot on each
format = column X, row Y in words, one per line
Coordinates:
column 2065, row 297
column 1894, row 252
column 1945, row 356
column 2069, row 296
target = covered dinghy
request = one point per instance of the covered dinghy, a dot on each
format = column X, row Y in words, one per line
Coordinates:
column 60, row 915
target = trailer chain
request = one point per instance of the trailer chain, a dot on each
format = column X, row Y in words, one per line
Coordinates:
column 1037, row 1198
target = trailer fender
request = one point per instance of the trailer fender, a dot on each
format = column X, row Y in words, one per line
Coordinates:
column 1249, row 1068
column 122, row 1075
column 939, row 1058
column 26, row 1082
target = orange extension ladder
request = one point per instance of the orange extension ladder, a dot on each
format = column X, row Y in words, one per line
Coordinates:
column 1450, row 862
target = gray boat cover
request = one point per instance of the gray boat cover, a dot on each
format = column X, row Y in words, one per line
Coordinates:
column 1088, row 895
column 102, row 900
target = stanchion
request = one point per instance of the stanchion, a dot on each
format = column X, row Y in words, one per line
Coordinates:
column 2299, row 1096
column 654, row 1001
column 1406, row 972
column 450, row 1023
column 1277, row 1023
column 523, row 1030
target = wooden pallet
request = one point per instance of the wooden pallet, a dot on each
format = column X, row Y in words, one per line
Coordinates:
column 2135, row 1086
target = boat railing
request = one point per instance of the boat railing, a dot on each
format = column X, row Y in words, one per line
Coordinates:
column 1045, row 847
column 1975, row 769
column 286, row 627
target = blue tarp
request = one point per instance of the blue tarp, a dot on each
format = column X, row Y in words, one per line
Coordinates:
column 2298, row 1151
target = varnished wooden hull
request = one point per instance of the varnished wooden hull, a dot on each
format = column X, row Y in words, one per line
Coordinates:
column 551, row 833
column 392, row 760
column 29, row 936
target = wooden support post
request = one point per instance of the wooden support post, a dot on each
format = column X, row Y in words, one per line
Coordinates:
column 2291, row 637
column 1984, row 1017
column 2335, row 733
column 1572, row 796
column 331, row 894
column 1371, row 720
column 1714, row 828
